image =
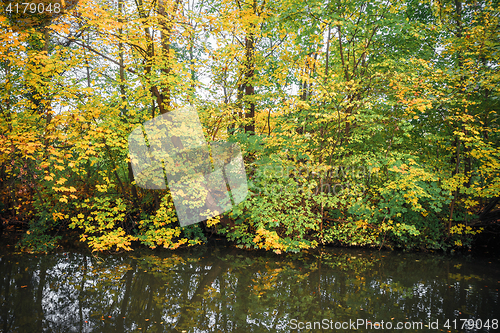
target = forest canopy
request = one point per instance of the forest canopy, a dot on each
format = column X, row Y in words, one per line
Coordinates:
column 361, row 123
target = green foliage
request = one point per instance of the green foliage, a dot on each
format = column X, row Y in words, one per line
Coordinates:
column 279, row 214
column 39, row 237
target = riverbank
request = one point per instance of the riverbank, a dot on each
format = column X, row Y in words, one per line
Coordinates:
column 485, row 244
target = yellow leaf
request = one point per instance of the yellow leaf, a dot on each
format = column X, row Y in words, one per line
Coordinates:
column 61, row 181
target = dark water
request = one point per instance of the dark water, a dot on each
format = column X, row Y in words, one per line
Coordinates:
column 209, row 289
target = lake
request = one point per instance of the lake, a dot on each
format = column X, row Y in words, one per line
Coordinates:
column 224, row 289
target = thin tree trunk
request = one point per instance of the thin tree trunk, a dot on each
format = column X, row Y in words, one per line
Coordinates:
column 165, row 96
column 135, row 197
column 248, row 83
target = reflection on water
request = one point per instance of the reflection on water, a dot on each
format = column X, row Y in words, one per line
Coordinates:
column 228, row 290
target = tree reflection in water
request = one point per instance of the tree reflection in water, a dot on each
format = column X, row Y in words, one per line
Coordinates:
column 228, row 290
